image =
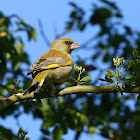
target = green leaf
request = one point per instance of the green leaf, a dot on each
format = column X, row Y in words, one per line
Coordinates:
column 131, row 76
column 82, row 26
column 22, row 134
column 20, row 90
column 57, row 133
column 33, row 34
column 84, row 119
column 21, row 22
column 101, row 79
column 19, row 48
column 20, row 131
column 98, row 17
column 108, row 79
column 76, row 68
column 73, row 14
column 110, row 73
column 64, row 127
column 92, row 130
column 106, row 57
column 17, row 58
column 48, row 123
column 128, row 82
column 8, row 55
column 135, row 53
column 85, row 79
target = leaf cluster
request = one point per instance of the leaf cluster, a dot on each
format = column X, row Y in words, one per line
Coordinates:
column 112, row 37
column 12, row 54
column 134, row 66
column 79, row 77
column 22, row 134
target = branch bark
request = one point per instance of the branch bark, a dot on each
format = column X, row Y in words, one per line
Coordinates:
column 67, row 91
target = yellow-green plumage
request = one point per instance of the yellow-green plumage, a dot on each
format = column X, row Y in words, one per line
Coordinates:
column 54, row 67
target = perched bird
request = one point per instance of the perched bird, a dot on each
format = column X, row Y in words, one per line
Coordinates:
column 53, row 68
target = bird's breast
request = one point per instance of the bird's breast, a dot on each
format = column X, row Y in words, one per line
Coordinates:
column 61, row 74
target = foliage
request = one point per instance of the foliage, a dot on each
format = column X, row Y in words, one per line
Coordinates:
column 118, row 62
column 83, row 113
column 12, row 54
column 132, row 79
column 22, row 134
column 112, row 38
column 6, row 134
column 134, row 65
column 80, row 79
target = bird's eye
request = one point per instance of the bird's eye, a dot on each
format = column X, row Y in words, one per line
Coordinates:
column 67, row 42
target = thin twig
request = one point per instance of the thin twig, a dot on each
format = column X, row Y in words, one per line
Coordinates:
column 89, row 41
column 77, row 135
column 43, row 33
column 63, row 33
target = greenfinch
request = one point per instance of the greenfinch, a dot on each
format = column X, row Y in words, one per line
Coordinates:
column 53, row 68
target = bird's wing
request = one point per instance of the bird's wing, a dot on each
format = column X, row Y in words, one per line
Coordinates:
column 48, row 63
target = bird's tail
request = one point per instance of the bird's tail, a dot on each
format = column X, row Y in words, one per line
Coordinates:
column 33, row 88
column 37, row 82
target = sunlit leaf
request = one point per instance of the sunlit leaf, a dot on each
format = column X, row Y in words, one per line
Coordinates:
column 92, row 130
column 57, row 133
column 87, row 78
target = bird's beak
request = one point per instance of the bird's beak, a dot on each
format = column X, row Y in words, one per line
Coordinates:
column 74, row 46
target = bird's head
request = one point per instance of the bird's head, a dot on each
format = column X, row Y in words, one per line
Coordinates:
column 65, row 45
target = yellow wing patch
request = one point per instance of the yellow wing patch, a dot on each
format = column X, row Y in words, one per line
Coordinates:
column 51, row 66
column 41, row 75
column 41, row 83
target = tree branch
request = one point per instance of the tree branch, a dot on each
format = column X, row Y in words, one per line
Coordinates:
column 67, row 91
column 77, row 135
column 14, row 98
column 97, row 89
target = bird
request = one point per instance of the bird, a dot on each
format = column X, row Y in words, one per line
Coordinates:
column 53, row 68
